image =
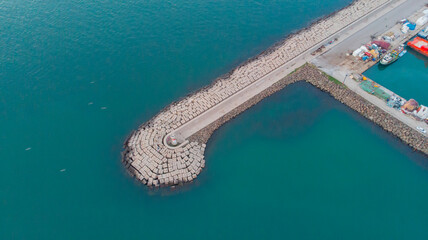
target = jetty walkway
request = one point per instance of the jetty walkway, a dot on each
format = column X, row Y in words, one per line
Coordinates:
column 149, row 154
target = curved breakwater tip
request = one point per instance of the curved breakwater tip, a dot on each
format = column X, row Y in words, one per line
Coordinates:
column 169, row 149
column 155, row 164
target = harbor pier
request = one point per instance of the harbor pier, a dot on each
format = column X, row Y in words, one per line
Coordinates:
column 169, row 149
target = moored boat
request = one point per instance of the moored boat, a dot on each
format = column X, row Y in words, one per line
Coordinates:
column 423, row 33
column 420, row 45
column 392, row 56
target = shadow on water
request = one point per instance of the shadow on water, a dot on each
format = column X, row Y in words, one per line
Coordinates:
column 381, row 67
column 418, row 56
column 298, row 114
column 294, row 114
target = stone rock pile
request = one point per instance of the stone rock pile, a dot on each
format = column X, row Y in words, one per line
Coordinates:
column 154, row 164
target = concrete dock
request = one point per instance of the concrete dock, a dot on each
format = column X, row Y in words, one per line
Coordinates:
column 335, row 63
column 149, row 154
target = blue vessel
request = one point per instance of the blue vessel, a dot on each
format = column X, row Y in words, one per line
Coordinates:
column 423, row 33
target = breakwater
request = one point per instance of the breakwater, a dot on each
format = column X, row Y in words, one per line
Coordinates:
column 190, row 157
column 317, row 78
column 150, row 158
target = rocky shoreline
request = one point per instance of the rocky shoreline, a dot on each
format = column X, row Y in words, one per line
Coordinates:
column 317, row 78
column 174, row 167
column 152, row 161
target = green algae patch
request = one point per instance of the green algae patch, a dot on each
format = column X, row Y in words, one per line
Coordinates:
column 334, row 80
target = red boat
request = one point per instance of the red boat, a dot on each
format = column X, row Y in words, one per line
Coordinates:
column 420, row 45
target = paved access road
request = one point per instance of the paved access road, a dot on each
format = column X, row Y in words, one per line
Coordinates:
column 366, row 25
column 330, row 61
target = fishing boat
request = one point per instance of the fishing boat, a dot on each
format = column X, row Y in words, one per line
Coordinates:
column 420, row 45
column 392, row 56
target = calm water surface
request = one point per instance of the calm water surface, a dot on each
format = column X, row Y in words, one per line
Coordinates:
column 298, row 165
column 408, row 76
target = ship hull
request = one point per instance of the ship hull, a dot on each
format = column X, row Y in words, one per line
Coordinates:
column 420, row 45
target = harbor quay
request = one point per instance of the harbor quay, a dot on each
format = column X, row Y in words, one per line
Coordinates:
column 169, row 149
column 387, row 30
column 341, row 63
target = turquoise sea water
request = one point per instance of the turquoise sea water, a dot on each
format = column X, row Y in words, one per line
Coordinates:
column 408, row 76
column 298, row 165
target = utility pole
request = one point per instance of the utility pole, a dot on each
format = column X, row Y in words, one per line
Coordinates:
column 345, row 78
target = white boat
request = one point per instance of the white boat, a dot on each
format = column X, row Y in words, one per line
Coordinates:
column 393, row 56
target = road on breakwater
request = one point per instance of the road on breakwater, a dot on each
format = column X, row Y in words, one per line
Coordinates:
column 375, row 22
column 148, row 154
